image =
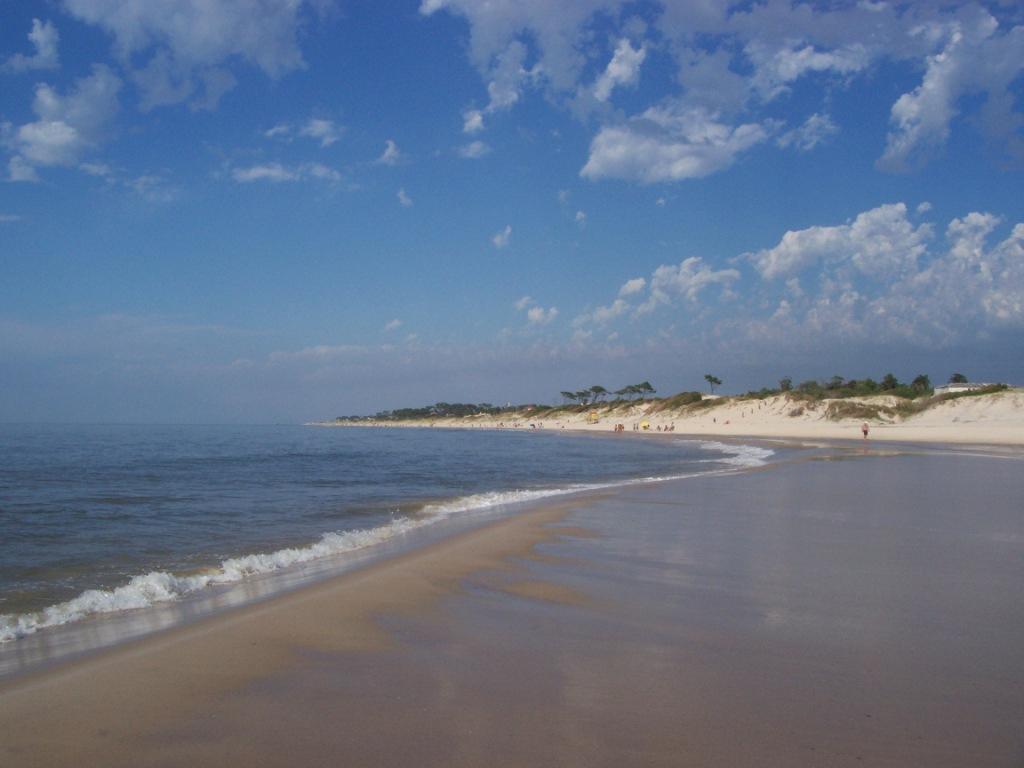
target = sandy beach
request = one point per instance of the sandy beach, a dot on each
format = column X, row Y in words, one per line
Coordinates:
column 840, row 608
column 996, row 419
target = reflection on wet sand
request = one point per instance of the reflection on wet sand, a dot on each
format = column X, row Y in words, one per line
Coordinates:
column 818, row 613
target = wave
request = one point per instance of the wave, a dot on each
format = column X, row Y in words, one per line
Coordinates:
column 161, row 587
column 737, row 455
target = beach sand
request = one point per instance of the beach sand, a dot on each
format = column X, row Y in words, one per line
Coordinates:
column 993, row 419
column 859, row 610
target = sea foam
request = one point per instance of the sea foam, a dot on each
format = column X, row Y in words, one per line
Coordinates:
column 161, row 587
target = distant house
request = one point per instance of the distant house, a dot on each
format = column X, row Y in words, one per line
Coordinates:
column 965, row 386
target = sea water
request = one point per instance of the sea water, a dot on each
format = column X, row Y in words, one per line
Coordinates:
column 101, row 520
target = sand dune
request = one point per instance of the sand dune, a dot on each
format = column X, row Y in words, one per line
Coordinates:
column 996, row 418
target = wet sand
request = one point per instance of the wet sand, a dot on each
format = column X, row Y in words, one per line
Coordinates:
column 861, row 611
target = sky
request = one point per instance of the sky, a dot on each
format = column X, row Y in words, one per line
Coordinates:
column 279, row 210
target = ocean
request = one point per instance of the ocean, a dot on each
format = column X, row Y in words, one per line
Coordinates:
column 101, row 520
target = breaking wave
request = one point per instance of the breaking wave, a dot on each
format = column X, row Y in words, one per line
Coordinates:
column 161, row 587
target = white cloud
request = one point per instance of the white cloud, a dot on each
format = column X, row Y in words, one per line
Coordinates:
column 815, row 130
column 45, row 39
column 404, row 199
column 581, row 218
column 541, row 316
column 9, row 218
column 391, row 154
column 502, row 239
column 737, row 58
column 474, row 150
column 668, row 143
column 687, row 280
column 67, row 126
column 623, row 69
column 101, row 170
column 880, row 243
column 265, row 172
column 976, row 58
column 523, row 303
column 472, row 121
column 507, row 77
column 327, row 132
column 776, row 68
column 393, row 325
column 630, row 287
column 924, row 207
column 603, row 315
column 19, row 170
column 276, row 172
column 183, row 43
column 319, row 171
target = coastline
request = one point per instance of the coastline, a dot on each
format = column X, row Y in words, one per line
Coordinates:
column 813, row 613
column 996, row 420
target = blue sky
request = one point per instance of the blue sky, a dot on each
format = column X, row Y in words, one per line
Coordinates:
column 276, row 210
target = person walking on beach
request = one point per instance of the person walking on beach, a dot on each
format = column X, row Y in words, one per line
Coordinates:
column 864, row 430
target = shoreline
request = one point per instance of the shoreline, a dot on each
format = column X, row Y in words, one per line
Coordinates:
column 721, row 618
column 996, row 420
column 65, row 631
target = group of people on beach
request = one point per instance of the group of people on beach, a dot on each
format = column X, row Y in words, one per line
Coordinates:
column 637, row 427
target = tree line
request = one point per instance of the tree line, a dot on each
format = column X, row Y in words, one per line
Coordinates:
column 597, row 393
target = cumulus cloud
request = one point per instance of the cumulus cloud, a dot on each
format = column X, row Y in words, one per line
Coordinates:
column 45, row 39
column 502, row 239
column 880, row 243
column 686, row 280
column 535, row 314
column 67, row 126
column 276, row 172
column 603, row 315
column 580, row 218
column 472, row 121
column 393, row 325
column 737, row 59
column 630, row 287
column 776, row 68
column 404, row 200
column 815, row 130
column 623, row 69
column 541, row 316
column 327, row 132
column 18, row 169
column 319, row 129
column 668, row 143
column 976, row 58
column 391, row 154
column 474, row 150
column 185, row 45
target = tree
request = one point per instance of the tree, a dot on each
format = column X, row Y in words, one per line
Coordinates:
column 785, row 383
column 921, row 383
column 644, row 388
column 890, row 382
column 713, row 381
column 583, row 396
column 598, row 392
column 836, row 382
column 570, row 396
column 957, row 378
